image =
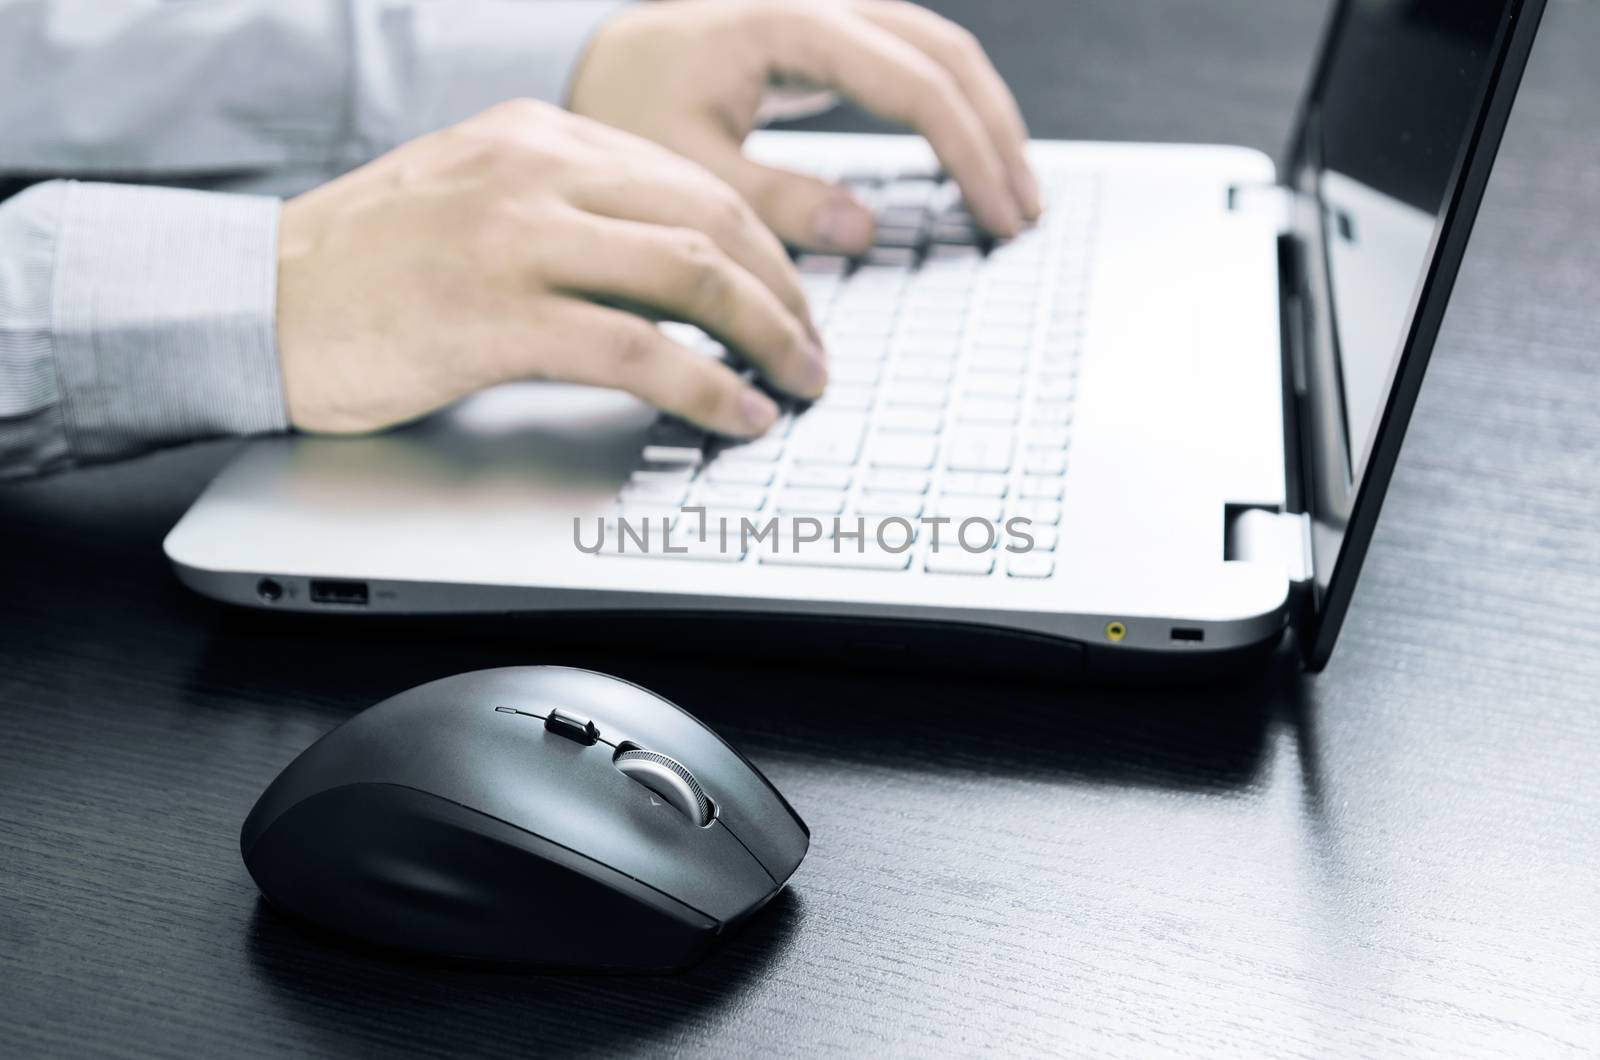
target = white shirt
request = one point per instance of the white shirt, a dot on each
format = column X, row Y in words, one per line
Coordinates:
column 136, row 316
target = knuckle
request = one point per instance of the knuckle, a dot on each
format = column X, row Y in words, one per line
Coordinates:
column 500, row 211
column 938, row 103
column 633, row 344
column 962, row 40
column 514, row 130
column 940, row 83
column 694, row 248
column 521, row 109
column 498, row 148
column 700, row 265
column 728, row 214
column 703, row 393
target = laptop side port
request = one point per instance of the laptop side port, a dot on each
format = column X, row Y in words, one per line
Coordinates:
column 334, row 592
column 1188, row 633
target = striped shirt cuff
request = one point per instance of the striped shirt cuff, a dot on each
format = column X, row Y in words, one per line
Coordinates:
column 472, row 56
column 162, row 312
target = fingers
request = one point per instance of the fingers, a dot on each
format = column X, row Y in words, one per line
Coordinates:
column 615, row 348
column 960, row 53
column 684, row 274
column 660, row 187
column 897, row 81
column 802, row 210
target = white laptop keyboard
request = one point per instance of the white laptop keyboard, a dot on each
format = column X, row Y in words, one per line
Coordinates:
column 953, row 373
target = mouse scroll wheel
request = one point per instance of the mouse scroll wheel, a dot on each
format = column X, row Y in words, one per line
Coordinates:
column 674, row 784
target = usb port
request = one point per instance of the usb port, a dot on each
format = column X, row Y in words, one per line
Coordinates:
column 1188, row 633
column 328, row 592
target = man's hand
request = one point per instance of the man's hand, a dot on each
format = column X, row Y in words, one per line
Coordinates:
column 691, row 75
column 508, row 247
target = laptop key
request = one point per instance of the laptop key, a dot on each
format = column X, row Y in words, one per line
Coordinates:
column 1052, row 413
column 857, row 348
column 804, row 501
column 827, row 476
column 663, row 494
column 1031, row 565
column 1014, row 366
column 904, row 451
column 957, row 560
column 898, row 235
column 829, row 439
column 902, row 257
column 663, row 474
column 673, row 454
column 987, row 384
column 643, row 518
column 1041, row 487
column 1044, row 462
column 974, row 483
column 1042, row 512
column 855, row 371
column 958, row 509
column 985, row 410
column 991, row 340
column 907, row 194
column 1044, row 537
column 917, row 395
column 909, row 421
column 922, row 370
column 1047, row 438
column 979, row 450
column 956, row 232
column 835, row 449
column 935, row 345
column 710, row 495
column 844, row 397
column 893, row 481
column 905, row 505
column 737, row 473
column 946, row 325
column 858, row 324
column 761, row 450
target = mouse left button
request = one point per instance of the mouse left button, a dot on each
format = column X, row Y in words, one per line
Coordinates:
column 579, row 730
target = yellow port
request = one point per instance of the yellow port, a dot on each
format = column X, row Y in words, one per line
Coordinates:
column 1115, row 631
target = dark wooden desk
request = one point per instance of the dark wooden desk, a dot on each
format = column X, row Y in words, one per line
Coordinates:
column 1399, row 857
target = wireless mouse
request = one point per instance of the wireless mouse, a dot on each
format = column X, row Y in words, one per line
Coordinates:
column 528, row 815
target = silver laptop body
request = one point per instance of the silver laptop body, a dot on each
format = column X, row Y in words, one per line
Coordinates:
column 1159, row 423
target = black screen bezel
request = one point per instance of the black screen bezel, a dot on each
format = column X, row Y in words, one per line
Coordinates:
column 1340, row 540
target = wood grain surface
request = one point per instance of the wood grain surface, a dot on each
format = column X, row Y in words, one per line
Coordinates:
column 1399, row 857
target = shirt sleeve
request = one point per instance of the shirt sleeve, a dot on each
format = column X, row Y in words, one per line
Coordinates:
column 132, row 318
column 131, row 88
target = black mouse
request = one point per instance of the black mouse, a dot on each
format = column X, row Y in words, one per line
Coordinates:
column 528, row 815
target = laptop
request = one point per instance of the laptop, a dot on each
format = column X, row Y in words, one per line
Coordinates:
column 1148, row 434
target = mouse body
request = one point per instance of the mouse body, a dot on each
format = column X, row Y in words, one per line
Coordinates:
column 526, row 815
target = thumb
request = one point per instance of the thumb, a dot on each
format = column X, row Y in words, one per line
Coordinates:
column 804, row 212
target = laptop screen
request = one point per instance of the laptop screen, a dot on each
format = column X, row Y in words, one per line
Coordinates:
column 1398, row 94
column 1396, row 136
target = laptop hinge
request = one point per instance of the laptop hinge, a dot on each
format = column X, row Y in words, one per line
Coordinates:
column 1299, row 560
column 1266, row 535
column 1273, row 201
column 1294, row 324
